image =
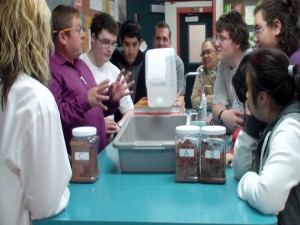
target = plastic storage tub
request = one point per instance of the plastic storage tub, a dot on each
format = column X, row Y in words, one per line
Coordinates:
column 147, row 143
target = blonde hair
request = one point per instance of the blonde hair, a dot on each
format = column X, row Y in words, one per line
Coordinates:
column 25, row 42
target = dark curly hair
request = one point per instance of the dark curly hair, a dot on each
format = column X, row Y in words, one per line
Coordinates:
column 233, row 23
column 103, row 21
column 287, row 12
column 131, row 29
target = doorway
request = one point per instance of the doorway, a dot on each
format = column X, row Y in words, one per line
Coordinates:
column 193, row 29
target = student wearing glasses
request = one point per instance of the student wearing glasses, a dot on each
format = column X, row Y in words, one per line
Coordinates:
column 104, row 32
column 81, row 101
column 232, row 45
column 209, row 67
column 276, row 25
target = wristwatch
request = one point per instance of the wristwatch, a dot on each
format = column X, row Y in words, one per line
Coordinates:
column 218, row 120
column 219, row 116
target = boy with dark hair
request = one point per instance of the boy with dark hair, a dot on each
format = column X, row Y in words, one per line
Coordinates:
column 103, row 21
column 232, row 45
column 131, row 57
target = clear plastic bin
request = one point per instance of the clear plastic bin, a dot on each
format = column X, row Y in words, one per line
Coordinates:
column 146, row 143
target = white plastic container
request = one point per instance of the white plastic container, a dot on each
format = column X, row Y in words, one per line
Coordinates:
column 161, row 77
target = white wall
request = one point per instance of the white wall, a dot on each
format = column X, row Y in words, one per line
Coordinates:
column 219, row 8
column 170, row 14
column 122, row 15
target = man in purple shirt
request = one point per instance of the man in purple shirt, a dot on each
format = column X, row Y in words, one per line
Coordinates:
column 80, row 100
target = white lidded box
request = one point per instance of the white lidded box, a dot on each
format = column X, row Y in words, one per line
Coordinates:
column 146, row 143
column 161, row 77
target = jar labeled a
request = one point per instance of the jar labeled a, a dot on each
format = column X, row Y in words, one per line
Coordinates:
column 187, row 153
column 84, row 146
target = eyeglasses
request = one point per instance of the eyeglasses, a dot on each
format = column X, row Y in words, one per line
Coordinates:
column 257, row 32
column 107, row 43
column 221, row 38
column 207, row 52
column 78, row 30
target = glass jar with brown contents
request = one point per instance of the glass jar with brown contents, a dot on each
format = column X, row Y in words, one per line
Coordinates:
column 84, row 146
column 187, row 153
column 213, row 150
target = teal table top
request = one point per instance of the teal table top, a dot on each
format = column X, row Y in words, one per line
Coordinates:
column 136, row 199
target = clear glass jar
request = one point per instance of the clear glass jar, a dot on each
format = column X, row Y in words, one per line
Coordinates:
column 84, row 151
column 213, row 154
column 187, row 153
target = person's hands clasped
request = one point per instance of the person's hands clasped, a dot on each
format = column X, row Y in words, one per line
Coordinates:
column 233, row 119
column 111, row 126
column 98, row 94
column 119, row 89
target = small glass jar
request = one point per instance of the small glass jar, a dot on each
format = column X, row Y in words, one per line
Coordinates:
column 187, row 153
column 213, row 154
column 84, row 151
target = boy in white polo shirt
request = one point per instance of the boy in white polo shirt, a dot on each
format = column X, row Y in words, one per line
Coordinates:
column 104, row 31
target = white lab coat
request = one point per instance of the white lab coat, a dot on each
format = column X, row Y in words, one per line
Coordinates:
column 34, row 166
column 268, row 191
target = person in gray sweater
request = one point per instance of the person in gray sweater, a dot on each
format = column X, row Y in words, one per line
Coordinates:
column 232, row 45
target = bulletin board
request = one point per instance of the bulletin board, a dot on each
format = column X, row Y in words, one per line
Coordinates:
column 53, row 3
column 87, row 9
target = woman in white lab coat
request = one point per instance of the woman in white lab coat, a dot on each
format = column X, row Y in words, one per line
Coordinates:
column 34, row 166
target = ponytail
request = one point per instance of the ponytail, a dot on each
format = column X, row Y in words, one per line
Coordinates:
column 294, row 71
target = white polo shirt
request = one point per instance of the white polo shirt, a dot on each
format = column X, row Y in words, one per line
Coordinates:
column 111, row 72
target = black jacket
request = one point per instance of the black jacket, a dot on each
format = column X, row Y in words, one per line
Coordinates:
column 138, row 72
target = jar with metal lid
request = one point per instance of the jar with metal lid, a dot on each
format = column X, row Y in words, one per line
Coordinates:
column 187, row 153
column 84, row 147
column 213, row 154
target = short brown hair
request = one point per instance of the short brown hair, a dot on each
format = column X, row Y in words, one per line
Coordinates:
column 62, row 17
column 103, row 21
column 162, row 24
column 233, row 23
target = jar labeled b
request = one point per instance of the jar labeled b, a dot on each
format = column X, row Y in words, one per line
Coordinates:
column 213, row 150
column 187, row 153
column 84, row 146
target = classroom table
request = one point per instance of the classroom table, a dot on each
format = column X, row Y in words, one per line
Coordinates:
column 135, row 199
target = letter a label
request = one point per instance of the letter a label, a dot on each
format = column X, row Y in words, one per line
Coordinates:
column 186, row 153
